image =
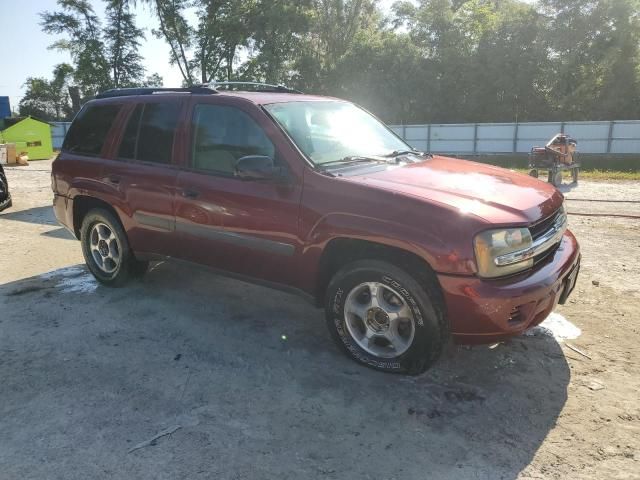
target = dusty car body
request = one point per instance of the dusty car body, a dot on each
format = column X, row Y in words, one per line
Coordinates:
column 327, row 230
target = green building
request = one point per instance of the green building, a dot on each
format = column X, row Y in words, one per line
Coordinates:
column 29, row 134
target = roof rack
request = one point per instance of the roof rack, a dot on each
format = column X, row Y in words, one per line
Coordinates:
column 253, row 87
column 125, row 92
column 204, row 88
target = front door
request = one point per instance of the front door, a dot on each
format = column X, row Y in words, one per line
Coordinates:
column 241, row 226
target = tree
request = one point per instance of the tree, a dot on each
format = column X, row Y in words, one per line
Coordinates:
column 208, row 50
column 103, row 57
column 122, row 39
column 595, row 58
column 48, row 99
column 179, row 35
column 78, row 21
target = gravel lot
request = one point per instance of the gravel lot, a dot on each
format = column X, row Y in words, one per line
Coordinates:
column 89, row 374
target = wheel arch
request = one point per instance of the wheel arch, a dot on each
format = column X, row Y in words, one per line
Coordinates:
column 83, row 204
column 343, row 250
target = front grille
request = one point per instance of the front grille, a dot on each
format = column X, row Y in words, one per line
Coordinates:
column 541, row 257
column 543, row 226
column 540, row 229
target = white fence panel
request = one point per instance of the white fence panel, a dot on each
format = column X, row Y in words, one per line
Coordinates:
column 622, row 136
column 494, row 146
column 627, row 129
column 451, row 132
column 600, row 137
column 625, row 146
column 58, row 131
column 588, row 130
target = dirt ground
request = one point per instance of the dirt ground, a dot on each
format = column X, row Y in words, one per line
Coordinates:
column 88, row 373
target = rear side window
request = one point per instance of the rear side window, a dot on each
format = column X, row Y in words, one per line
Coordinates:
column 130, row 137
column 89, row 130
column 149, row 133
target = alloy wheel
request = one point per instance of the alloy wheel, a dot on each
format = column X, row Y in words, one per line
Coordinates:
column 105, row 248
column 379, row 319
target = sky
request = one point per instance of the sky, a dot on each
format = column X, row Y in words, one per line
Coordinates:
column 26, row 52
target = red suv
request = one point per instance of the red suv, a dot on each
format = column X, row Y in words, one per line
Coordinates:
column 315, row 195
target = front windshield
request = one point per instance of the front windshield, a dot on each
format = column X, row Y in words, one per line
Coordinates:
column 331, row 131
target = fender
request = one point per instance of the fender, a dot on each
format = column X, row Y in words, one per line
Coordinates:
column 101, row 191
column 417, row 241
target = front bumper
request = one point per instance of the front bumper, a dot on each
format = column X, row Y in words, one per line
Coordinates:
column 485, row 311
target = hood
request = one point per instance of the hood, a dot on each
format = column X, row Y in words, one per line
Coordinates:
column 496, row 195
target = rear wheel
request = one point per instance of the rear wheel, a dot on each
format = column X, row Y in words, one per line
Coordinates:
column 382, row 317
column 106, row 249
column 533, row 172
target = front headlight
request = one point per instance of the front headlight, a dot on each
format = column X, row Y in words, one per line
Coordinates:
column 499, row 252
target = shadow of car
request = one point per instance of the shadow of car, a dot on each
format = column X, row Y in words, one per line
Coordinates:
column 256, row 385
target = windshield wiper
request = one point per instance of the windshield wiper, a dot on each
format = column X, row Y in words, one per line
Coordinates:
column 397, row 153
column 351, row 159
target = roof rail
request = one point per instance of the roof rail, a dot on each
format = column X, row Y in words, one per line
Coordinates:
column 253, row 86
column 125, row 92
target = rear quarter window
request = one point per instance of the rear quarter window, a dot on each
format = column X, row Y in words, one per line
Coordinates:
column 149, row 133
column 90, row 128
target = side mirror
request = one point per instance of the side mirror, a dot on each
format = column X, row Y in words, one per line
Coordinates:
column 257, row 167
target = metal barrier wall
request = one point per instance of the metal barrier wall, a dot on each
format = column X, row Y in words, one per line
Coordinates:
column 607, row 137
column 621, row 136
column 58, row 131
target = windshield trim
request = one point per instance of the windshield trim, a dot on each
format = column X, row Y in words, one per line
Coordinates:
column 318, row 166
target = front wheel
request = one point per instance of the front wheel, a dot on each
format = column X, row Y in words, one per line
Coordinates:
column 382, row 317
column 106, row 249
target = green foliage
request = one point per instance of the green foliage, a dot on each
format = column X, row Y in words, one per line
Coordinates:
column 425, row 61
column 48, row 99
column 77, row 20
column 103, row 56
column 594, row 66
column 122, row 41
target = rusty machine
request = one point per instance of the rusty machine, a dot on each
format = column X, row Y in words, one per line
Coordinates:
column 559, row 154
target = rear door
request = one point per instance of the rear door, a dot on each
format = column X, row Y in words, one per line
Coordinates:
column 143, row 174
column 246, row 227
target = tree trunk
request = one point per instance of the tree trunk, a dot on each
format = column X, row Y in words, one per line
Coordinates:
column 74, row 93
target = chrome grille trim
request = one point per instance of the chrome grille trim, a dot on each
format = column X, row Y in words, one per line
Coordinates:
column 540, row 245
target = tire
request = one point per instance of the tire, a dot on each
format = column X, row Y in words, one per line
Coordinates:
column 557, row 178
column 419, row 338
column 106, row 249
column 5, row 195
column 533, row 173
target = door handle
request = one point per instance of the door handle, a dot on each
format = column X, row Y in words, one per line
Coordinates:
column 115, row 179
column 190, row 193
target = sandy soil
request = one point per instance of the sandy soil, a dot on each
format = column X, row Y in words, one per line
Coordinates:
column 88, row 373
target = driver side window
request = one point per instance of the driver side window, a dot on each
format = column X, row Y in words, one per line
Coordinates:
column 222, row 135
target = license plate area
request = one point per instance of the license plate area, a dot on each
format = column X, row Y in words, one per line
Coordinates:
column 569, row 283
